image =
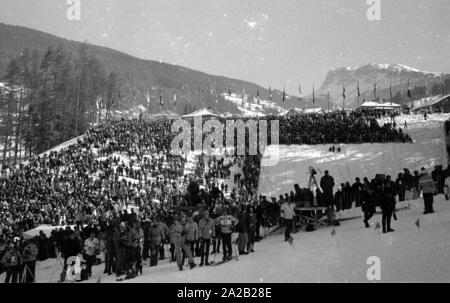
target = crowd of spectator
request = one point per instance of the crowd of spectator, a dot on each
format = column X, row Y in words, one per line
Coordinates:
column 338, row 127
column 110, row 188
column 123, row 198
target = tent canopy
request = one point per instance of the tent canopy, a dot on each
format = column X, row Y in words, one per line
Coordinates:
column 200, row 113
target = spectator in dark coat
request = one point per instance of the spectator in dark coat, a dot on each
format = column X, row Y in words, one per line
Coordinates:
column 71, row 247
column 387, row 192
column 242, row 228
column 400, row 184
column 327, row 184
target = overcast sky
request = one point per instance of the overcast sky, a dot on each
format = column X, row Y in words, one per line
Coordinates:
column 277, row 43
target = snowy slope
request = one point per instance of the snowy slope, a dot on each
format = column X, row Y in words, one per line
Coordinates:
column 355, row 160
column 407, row 255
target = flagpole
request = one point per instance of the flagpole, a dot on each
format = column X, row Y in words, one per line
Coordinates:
column 189, row 102
column 343, row 98
column 328, row 101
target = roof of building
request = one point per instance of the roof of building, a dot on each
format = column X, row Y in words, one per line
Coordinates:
column 200, row 113
column 426, row 102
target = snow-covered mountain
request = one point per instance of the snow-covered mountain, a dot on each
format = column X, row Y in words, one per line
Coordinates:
column 382, row 74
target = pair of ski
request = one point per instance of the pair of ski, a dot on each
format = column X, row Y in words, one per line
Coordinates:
column 224, row 261
column 123, row 279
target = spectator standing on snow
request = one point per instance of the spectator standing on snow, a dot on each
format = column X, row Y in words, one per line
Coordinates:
column 447, row 188
column 287, row 214
column 91, row 249
column 227, row 223
column 327, row 184
column 177, row 237
column 426, row 186
column 11, row 262
column 206, row 231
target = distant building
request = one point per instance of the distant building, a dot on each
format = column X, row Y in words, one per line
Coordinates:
column 386, row 106
column 432, row 105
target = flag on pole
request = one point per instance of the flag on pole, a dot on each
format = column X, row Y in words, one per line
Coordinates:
column 390, row 91
column 343, row 92
column 299, row 93
column 377, row 226
column 417, row 223
column 375, row 90
column 284, row 94
column 161, row 102
column 328, row 100
column 175, row 100
column 229, row 90
column 333, row 232
column 408, row 91
column 314, row 95
column 357, row 89
column 148, row 99
column 270, row 93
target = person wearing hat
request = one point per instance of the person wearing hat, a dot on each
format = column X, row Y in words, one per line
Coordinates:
column 227, row 223
column 426, row 186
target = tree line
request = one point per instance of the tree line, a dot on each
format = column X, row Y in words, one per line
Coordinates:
column 51, row 97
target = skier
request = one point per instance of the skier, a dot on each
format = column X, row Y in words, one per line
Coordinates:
column 287, row 214
column 227, row 223
column 177, row 237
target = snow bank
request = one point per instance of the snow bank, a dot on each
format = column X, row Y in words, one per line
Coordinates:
column 355, row 160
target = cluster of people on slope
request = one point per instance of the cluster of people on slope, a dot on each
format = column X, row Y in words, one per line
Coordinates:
column 337, row 127
column 89, row 183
